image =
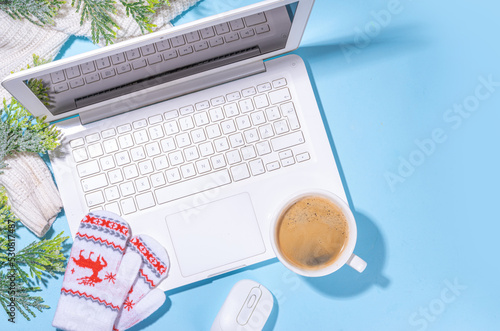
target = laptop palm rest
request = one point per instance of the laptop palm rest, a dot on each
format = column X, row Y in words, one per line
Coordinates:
column 215, row 234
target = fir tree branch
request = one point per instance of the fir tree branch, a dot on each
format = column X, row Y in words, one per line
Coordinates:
column 39, row 12
column 98, row 12
column 141, row 13
column 20, row 295
column 22, row 132
column 8, row 223
column 42, row 258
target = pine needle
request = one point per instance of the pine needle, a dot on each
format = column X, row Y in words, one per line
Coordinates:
column 22, row 132
column 39, row 12
column 98, row 12
column 43, row 259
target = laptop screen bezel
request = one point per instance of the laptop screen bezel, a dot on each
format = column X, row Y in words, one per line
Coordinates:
column 16, row 85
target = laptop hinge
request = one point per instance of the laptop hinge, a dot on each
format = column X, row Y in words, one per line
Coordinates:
column 171, row 90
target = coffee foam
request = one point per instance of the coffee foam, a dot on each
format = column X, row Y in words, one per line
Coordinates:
column 312, row 233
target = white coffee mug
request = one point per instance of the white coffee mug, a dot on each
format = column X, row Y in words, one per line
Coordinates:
column 346, row 256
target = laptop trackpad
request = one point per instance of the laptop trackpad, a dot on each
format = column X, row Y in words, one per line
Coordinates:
column 215, row 234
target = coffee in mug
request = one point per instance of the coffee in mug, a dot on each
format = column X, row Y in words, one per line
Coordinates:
column 314, row 234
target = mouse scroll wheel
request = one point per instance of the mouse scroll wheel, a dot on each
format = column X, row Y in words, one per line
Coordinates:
column 251, row 300
column 249, row 306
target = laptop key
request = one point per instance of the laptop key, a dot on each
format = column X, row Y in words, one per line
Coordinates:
column 72, row 72
column 57, row 76
column 216, row 41
column 240, row 172
column 118, row 58
column 162, row 45
column 124, row 128
column 95, row 150
column 207, row 32
column 271, row 166
column 87, row 168
column 173, row 175
column 133, row 54
column 80, row 155
column 193, row 36
column 145, row 200
column 113, row 207
column 128, row 206
column 95, row 182
column 247, row 33
column 61, row 87
column 110, row 145
column 222, row 28
column 262, row 28
column 76, row 142
column 192, row 186
column 112, row 193
column 303, row 157
column 103, row 63
column 280, row 95
column 92, row 78
column 87, row 67
column 178, row 41
column 288, row 111
column 255, row 19
column 140, row 124
column 200, row 46
column 288, row 140
column 279, row 82
column 141, row 63
column 76, row 82
column 123, row 68
column 94, row 199
column 257, row 167
column 148, row 49
column 237, row 24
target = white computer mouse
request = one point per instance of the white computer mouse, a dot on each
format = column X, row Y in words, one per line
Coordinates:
column 247, row 307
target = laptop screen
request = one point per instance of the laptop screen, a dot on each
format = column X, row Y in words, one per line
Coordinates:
column 167, row 58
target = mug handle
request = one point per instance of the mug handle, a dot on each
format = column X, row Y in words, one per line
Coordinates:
column 356, row 263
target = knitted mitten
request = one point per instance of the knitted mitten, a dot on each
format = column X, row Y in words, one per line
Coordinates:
column 143, row 299
column 32, row 193
column 98, row 276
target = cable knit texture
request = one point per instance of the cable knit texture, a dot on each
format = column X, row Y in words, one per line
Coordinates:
column 20, row 39
column 33, row 196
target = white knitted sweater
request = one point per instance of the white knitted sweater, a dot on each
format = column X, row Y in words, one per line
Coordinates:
column 20, row 39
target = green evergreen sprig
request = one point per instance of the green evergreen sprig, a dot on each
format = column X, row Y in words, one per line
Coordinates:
column 140, row 12
column 38, row 12
column 22, row 132
column 99, row 13
column 43, row 259
column 21, row 296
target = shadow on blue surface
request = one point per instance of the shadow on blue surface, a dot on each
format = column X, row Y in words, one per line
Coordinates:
column 154, row 317
column 347, row 282
column 347, row 52
column 273, row 317
column 210, row 280
column 370, row 243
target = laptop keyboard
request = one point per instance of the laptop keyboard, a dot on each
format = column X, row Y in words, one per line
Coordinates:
column 198, row 147
column 127, row 63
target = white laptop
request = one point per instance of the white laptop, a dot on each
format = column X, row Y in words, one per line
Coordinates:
column 191, row 134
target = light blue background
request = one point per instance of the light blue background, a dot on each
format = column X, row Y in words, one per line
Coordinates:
column 431, row 239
